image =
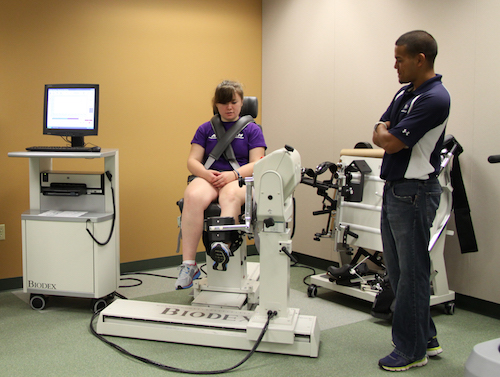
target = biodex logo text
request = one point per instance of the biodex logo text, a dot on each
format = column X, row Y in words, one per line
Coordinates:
column 200, row 314
column 34, row 284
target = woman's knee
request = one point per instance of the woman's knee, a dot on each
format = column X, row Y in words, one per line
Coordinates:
column 232, row 196
column 199, row 195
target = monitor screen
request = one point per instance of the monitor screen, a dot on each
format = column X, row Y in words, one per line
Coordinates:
column 71, row 110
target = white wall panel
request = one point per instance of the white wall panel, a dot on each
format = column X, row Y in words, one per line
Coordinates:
column 328, row 76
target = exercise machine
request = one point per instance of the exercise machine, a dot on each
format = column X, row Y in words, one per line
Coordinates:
column 352, row 199
column 268, row 210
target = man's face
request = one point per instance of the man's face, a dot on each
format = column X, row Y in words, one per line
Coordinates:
column 406, row 65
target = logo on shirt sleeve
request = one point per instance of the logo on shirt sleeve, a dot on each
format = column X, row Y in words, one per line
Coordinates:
column 406, row 132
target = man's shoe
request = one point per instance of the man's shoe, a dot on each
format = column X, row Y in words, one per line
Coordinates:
column 433, row 347
column 396, row 363
column 187, row 273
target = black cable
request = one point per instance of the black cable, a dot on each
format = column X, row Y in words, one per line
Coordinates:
column 108, row 174
column 201, row 268
column 67, row 140
column 294, row 215
column 270, row 315
column 139, row 282
column 119, row 295
column 148, row 274
column 302, row 266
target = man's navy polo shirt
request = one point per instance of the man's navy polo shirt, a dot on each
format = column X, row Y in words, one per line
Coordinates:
column 418, row 118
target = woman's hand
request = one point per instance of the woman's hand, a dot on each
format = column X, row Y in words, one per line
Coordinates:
column 214, row 177
column 220, row 179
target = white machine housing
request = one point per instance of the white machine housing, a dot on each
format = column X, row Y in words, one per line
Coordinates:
column 275, row 178
column 59, row 256
column 363, row 219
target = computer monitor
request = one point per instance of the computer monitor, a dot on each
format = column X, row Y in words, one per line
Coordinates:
column 71, row 110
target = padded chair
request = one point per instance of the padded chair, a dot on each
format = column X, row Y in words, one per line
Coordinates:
column 250, row 107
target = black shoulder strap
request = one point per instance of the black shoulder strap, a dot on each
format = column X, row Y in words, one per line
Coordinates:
column 224, row 139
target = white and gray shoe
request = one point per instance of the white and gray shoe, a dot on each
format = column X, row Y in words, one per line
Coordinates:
column 187, row 273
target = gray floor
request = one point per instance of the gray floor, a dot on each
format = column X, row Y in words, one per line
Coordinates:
column 57, row 340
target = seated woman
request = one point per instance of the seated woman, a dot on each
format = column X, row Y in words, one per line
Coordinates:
column 218, row 181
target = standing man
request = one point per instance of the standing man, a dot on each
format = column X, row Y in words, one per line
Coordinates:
column 411, row 132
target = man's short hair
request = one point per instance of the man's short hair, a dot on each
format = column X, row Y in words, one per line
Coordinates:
column 419, row 41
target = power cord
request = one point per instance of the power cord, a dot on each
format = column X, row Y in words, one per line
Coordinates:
column 308, row 276
column 119, row 295
column 68, row 140
column 270, row 315
column 109, row 175
column 139, row 281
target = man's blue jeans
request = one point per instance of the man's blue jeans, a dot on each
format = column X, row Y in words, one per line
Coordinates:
column 408, row 210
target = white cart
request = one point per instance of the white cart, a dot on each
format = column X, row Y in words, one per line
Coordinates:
column 60, row 258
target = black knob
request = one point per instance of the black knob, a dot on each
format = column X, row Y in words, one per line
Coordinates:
column 269, row 222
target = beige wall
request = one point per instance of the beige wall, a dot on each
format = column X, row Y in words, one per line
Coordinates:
column 157, row 63
column 328, row 76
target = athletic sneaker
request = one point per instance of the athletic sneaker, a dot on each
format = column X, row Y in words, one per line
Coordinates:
column 187, row 273
column 220, row 253
column 433, row 347
column 396, row 363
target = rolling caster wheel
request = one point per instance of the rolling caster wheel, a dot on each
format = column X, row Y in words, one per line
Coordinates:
column 312, row 290
column 99, row 304
column 38, row 302
column 449, row 308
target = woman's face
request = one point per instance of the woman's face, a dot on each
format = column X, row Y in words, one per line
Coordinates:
column 230, row 112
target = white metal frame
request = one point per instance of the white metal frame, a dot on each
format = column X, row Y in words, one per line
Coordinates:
column 364, row 220
column 275, row 178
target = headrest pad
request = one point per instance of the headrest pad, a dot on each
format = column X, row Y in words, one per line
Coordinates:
column 250, row 107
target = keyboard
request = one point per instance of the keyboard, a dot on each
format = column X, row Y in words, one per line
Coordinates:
column 63, row 149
